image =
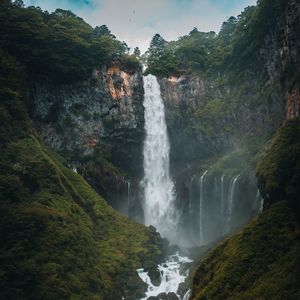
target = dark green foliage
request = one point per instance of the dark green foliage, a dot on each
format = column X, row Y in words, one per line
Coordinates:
column 60, row 239
column 59, row 46
column 278, row 170
column 14, row 122
column 188, row 54
column 234, row 48
column 260, row 262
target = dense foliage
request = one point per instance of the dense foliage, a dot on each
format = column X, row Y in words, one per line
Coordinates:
column 234, row 47
column 59, row 46
column 278, row 171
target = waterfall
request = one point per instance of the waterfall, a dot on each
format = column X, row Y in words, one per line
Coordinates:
column 159, row 189
column 187, row 295
column 171, row 276
column 222, row 203
column 259, row 201
column 231, row 199
column 201, row 206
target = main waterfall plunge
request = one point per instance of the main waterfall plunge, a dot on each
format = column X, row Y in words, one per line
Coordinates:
column 159, row 190
column 159, row 209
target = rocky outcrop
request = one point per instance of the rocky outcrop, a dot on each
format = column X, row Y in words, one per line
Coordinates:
column 293, row 104
column 182, row 97
column 103, row 112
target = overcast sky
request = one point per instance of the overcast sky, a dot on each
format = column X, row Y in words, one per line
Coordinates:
column 136, row 21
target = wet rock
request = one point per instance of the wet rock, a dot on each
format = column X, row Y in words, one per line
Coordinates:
column 172, row 296
column 162, row 296
column 184, row 268
column 154, row 275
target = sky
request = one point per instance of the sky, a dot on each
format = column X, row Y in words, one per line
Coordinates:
column 136, row 21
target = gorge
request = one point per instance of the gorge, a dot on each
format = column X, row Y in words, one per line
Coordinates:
column 180, row 181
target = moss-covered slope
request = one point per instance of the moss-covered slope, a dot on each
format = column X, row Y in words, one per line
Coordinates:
column 59, row 238
column 278, row 171
column 261, row 262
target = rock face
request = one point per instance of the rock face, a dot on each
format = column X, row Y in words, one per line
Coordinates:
column 104, row 112
column 182, row 96
column 98, row 125
column 213, row 116
column 200, row 126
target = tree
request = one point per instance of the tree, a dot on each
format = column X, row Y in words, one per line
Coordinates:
column 157, row 45
column 137, row 52
column 227, row 29
column 18, row 3
column 103, row 30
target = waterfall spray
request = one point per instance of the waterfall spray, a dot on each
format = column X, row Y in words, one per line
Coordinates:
column 190, row 195
column 159, row 197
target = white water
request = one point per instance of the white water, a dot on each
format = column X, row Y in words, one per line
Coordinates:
column 159, row 190
column 187, row 295
column 259, row 200
column 201, row 207
column 231, row 199
column 170, row 276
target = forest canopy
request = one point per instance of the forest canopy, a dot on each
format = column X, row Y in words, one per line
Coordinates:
column 234, row 47
column 59, row 46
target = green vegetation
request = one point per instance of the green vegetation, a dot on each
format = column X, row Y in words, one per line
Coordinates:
column 60, row 240
column 232, row 49
column 260, row 262
column 213, row 110
column 59, row 46
column 278, row 171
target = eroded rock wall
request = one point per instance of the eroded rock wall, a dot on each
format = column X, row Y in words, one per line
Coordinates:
column 103, row 111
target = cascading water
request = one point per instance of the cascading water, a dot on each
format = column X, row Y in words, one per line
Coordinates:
column 201, row 206
column 222, row 202
column 259, row 201
column 187, row 295
column 231, row 200
column 171, row 277
column 159, row 209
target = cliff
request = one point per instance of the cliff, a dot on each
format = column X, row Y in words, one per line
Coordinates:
column 104, row 111
column 98, row 125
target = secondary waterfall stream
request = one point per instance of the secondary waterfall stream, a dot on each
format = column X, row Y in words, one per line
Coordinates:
column 159, row 189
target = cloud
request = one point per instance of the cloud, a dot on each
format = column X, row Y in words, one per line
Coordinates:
column 136, row 21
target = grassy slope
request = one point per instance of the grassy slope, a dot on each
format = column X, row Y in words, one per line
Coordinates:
column 59, row 238
column 262, row 261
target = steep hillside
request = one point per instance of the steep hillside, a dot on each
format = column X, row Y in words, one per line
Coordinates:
column 260, row 262
column 85, row 96
column 60, row 239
